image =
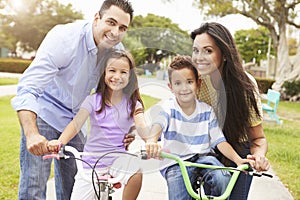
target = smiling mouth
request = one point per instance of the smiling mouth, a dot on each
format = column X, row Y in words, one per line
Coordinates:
column 111, row 38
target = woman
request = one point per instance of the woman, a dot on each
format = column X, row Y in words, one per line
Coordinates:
column 233, row 94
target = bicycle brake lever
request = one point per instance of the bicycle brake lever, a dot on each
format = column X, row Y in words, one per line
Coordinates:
column 259, row 174
column 144, row 155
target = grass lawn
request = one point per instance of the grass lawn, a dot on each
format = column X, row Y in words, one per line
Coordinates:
column 8, row 81
column 284, row 148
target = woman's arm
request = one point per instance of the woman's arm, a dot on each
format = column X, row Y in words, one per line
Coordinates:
column 258, row 148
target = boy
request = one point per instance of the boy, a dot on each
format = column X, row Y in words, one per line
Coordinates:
column 191, row 131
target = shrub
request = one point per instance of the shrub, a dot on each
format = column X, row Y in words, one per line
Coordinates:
column 292, row 87
column 13, row 65
column 264, row 84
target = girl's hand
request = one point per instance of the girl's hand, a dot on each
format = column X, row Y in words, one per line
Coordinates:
column 261, row 162
column 153, row 150
column 53, row 146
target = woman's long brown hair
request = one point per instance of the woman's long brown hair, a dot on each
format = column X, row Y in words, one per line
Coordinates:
column 131, row 90
column 239, row 89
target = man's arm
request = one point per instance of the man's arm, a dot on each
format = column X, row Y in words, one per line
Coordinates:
column 36, row 143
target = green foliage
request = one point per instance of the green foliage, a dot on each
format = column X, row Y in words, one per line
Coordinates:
column 29, row 24
column 292, row 87
column 13, row 65
column 293, row 46
column 157, row 38
column 264, row 84
column 253, row 44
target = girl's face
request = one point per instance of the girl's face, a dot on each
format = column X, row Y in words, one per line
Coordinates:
column 183, row 85
column 206, row 56
column 117, row 73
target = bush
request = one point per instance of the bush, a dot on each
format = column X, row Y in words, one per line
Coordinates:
column 264, row 84
column 292, row 88
column 13, row 65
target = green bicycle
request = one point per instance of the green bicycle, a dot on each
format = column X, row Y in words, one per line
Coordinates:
column 245, row 168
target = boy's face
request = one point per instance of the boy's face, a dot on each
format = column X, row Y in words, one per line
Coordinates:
column 109, row 29
column 183, row 85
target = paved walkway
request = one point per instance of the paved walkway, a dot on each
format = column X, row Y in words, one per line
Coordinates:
column 154, row 186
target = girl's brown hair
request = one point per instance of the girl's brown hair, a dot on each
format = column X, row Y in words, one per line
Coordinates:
column 131, row 90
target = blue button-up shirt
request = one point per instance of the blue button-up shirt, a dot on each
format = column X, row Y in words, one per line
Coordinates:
column 62, row 74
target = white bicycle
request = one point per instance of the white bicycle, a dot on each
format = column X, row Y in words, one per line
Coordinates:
column 104, row 184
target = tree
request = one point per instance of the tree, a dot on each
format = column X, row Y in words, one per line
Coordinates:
column 158, row 38
column 29, row 24
column 275, row 15
column 253, row 44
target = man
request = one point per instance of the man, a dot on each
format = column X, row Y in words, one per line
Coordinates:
column 51, row 90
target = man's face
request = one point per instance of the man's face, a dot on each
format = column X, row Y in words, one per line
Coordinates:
column 109, row 29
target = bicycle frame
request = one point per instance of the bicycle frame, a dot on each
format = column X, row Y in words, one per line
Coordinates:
column 106, row 182
column 183, row 167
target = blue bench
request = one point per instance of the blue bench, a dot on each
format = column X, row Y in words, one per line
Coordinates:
column 273, row 98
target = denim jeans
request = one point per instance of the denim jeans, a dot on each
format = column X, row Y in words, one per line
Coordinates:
column 215, row 182
column 35, row 171
column 242, row 186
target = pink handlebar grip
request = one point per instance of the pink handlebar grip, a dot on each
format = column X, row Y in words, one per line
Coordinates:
column 53, row 155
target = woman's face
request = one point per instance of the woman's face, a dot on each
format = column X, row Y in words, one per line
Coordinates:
column 206, row 56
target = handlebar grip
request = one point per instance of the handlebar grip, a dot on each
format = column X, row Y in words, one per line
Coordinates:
column 53, row 155
column 268, row 175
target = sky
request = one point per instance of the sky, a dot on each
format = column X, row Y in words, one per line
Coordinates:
column 182, row 12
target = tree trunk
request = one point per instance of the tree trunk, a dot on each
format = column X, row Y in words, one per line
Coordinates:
column 283, row 62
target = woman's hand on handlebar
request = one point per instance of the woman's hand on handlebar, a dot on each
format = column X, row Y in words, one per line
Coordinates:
column 261, row 162
column 153, row 150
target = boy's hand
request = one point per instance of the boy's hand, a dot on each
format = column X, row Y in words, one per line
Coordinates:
column 153, row 150
column 53, row 146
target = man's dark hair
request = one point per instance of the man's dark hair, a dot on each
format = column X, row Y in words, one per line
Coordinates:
column 124, row 5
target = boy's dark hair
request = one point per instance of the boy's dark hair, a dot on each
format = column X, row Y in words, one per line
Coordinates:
column 181, row 62
column 124, row 5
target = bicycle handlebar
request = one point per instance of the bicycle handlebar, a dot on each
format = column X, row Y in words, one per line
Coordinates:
column 246, row 168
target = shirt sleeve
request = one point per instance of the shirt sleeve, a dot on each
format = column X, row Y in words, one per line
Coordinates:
column 254, row 119
column 215, row 132
column 40, row 73
column 89, row 103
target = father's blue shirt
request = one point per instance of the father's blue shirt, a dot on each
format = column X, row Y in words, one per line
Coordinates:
column 62, row 74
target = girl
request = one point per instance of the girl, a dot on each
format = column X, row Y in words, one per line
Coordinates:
column 234, row 96
column 112, row 110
